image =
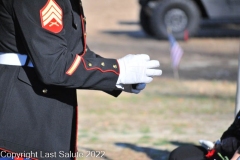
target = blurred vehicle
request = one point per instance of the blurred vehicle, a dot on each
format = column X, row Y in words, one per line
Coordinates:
column 184, row 16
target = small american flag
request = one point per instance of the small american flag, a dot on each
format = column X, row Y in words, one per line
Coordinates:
column 176, row 51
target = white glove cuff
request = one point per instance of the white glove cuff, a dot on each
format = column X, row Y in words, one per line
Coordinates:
column 122, row 71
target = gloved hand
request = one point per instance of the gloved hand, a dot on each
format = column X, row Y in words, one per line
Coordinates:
column 208, row 145
column 135, row 69
column 134, row 88
column 229, row 145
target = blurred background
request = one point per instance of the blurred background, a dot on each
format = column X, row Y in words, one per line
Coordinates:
column 170, row 112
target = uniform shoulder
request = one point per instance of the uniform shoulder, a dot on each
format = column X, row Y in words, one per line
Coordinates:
column 7, row 4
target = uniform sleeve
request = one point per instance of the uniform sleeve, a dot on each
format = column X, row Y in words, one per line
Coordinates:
column 229, row 132
column 230, row 138
column 233, row 129
column 52, row 35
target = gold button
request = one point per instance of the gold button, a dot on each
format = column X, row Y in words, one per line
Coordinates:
column 45, row 91
column 84, row 19
column 103, row 64
column 115, row 66
column 90, row 64
column 86, row 50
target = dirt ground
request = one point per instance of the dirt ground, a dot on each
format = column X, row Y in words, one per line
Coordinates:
column 208, row 74
column 113, row 31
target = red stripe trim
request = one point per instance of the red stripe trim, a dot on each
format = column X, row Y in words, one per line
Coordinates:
column 74, row 65
column 96, row 68
column 84, row 36
column 76, row 61
column 76, row 132
column 84, row 52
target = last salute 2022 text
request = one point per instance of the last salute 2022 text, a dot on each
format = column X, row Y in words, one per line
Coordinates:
column 62, row 154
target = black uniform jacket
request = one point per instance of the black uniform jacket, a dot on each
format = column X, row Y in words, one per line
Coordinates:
column 230, row 139
column 38, row 106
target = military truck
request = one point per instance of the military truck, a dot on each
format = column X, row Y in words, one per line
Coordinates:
column 185, row 16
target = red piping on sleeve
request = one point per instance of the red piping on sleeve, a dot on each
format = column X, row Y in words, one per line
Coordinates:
column 96, row 68
column 84, row 37
column 76, row 150
column 77, row 59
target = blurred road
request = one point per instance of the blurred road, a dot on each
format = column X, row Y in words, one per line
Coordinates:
column 114, row 31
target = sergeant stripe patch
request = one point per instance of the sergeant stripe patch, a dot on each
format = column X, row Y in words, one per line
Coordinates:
column 74, row 65
column 51, row 17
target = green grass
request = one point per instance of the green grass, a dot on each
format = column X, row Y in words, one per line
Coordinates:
column 161, row 142
column 167, row 110
column 144, row 139
column 144, row 130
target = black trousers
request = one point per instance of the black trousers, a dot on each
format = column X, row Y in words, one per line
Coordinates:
column 190, row 152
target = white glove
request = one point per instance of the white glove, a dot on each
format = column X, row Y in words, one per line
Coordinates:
column 134, row 88
column 135, row 69
column 208, row 145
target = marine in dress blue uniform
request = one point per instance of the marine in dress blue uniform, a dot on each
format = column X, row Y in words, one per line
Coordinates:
column 44, row 58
